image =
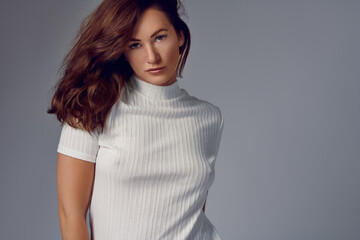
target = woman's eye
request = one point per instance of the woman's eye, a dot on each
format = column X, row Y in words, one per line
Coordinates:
column 133, row 46
column 161, row 37
column 136, row 45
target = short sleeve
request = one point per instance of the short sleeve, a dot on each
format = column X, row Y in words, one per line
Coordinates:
column 78, row 143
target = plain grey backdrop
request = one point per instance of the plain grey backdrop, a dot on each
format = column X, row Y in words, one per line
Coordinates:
column 285, row 75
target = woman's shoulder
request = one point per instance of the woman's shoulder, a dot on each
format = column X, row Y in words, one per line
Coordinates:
column 208, row 106
column 205, row 103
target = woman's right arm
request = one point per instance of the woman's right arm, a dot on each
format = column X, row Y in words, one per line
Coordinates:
column 74, row 182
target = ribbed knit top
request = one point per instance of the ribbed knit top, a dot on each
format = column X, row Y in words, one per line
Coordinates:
column 155, row 162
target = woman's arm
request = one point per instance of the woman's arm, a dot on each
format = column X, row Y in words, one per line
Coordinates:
column 74, row 182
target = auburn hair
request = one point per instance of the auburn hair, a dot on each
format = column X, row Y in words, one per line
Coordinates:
column 94, row 70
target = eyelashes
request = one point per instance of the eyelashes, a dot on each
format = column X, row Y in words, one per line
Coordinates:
column 135, row 45
column 162, row 36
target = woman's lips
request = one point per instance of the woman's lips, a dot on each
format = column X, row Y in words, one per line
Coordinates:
column 157, row 70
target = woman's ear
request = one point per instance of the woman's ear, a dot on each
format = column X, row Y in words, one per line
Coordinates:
column 181, row 38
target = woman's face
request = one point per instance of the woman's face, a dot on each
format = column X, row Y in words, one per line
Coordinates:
column 154, row 44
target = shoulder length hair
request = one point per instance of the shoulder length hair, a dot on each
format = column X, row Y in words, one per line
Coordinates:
column 94, row 70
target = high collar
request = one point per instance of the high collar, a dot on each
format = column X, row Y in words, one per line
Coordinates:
column 155, row 91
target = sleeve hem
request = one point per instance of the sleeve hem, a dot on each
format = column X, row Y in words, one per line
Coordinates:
column 76, row 154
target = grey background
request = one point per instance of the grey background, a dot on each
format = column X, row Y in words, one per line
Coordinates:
column 285, row 75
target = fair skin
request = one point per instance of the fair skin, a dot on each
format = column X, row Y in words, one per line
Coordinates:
column 74, row 184
column 75, row 177
column 155, row 43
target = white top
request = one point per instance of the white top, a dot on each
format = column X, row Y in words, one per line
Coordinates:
column 154, row 164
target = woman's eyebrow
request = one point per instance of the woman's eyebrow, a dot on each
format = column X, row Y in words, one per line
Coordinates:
column 156, row 32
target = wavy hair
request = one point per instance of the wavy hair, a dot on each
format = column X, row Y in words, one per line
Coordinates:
column 95, row 70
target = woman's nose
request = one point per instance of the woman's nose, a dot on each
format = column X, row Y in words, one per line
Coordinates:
column 152, row 55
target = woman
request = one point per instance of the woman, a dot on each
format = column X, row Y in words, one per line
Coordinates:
column 135, row 148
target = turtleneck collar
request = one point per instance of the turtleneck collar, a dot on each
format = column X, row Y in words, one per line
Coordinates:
column 155, row 91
